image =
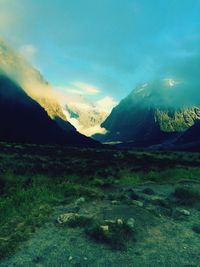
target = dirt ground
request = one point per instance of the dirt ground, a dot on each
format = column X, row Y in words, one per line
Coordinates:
column 162, row 239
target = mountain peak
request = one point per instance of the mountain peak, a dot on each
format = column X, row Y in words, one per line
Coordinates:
column 151, row 114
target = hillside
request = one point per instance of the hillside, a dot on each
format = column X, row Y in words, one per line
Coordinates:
column 151, row 114
column 15, row 66
column 22, row 119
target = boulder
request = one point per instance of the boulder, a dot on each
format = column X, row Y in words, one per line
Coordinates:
column 148, row 191
column 138, row 203
column 66, row 217
column 80, row 201
column 131, row 223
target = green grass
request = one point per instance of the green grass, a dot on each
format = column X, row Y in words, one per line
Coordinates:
column 162, row 176
column 23, row 209
column 35, row 179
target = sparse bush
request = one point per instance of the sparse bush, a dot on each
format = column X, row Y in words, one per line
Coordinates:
column 196, row 228
column 187, row 195
column 115, row 234
column 80, row 221
column 77, row 190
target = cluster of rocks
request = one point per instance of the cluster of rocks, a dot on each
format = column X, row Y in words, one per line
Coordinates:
column 148, row 199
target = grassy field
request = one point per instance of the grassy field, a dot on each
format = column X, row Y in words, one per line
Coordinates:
column 34, row 180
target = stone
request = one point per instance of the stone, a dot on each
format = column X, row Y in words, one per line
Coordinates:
column 177, row 212
column 160, row 201
column 138, row 203
column 131, row 223
column 66, row 217
column 105, row 228
column 148, row 191
column 115, row 202
column 119, row 221
column 70, row 258
column 184, row 212
column 80, row 201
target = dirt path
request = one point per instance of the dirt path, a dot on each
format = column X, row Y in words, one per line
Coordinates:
column 161, row 240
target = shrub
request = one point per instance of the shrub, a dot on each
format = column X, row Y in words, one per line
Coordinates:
column 187, row 195
column 80, row 221
column 115, row 234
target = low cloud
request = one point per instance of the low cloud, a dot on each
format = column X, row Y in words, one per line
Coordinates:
column 80, row 88
column 28, row 51
column 107, row 103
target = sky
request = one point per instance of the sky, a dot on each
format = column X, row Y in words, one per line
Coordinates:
column 102, row 49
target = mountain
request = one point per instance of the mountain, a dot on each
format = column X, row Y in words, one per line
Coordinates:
column 190, row 140
column 153, row 113
column 22, row 119
column 15, row 66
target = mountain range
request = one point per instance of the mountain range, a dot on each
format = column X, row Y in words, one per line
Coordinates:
column 155, row 114
column 152, row 114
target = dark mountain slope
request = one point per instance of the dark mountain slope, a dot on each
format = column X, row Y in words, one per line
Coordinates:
column 190, row 140
column 23, row 120
column 32, row 82
column 150, row 115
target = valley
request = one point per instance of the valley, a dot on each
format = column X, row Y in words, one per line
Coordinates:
column 99, row 133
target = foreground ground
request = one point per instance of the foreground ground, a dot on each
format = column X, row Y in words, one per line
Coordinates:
column 160, row 191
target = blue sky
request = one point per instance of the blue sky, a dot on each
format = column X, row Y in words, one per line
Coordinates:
column 109, row 46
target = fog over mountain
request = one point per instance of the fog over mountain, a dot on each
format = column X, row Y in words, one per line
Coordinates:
column 153, row 113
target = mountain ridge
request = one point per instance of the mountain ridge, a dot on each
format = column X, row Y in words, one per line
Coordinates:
column 23, row 120
column 149, row 116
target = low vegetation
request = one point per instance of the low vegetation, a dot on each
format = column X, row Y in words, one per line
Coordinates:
column 34, row 180
column 115, row 234
column 188, row 195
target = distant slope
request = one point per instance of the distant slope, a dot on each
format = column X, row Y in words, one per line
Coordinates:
column 190, row 140
column 18, row 69
column 151, row 114
column 22, row 119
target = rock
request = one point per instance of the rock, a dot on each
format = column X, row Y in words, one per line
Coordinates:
column 105, row 228
column 138, row 203
column 66, row 217
column 148, row 191
column 176, row 212
column 80, row 201
column 119, row 221
column 160, row 201
column 70, row 258
column 184, row 212
column 115, row 202
column 131, row 223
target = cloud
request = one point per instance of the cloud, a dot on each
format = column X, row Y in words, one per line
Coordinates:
column 106, row 103
column 86, row 88
column 28, row 50
column 79, row 88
